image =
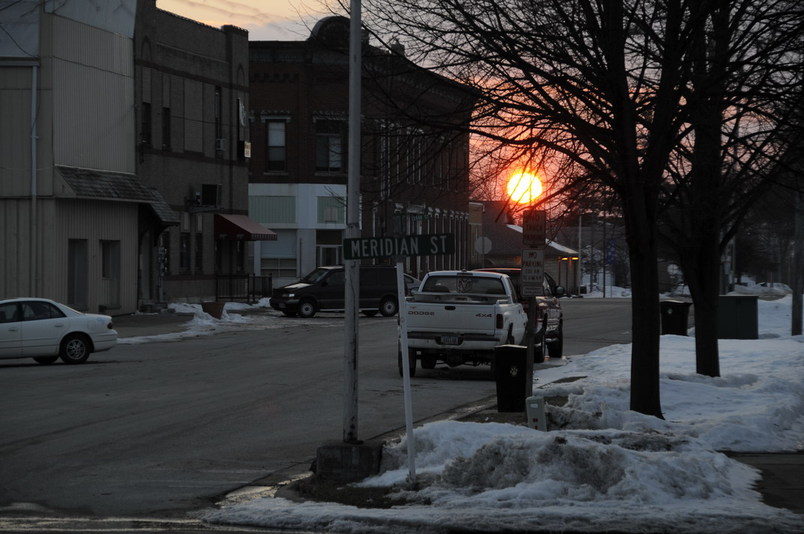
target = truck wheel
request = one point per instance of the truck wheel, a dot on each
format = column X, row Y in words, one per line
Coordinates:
column 388, row 307
column 556, row 349
column 510, row 339
column 538, row 349
column 306, row 309
column 411, row 362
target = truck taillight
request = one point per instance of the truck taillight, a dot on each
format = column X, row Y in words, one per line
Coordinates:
column 499, row 321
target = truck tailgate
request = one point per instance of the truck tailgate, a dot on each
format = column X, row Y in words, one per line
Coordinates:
column 448, row 317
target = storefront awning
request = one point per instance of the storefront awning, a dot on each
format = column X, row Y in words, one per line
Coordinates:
column 241, row 228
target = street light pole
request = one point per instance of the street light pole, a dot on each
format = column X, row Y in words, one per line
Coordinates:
column 352, row 267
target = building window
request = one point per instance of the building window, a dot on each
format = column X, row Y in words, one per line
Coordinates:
column 199, row 253
column 272, row 209
column 331, row 210
column 166, row 129
column 275, row 146
column 184, row 253
column 110, row 259
column 329, row 146
column 145, row 124
column 219, row 143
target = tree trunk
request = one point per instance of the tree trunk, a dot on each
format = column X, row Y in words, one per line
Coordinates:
column 702, row 274
column 645, row 387
column 798, row 258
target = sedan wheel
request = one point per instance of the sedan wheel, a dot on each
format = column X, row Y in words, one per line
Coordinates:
column 74, row 349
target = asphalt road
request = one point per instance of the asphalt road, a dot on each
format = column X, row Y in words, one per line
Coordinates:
column 158, row 429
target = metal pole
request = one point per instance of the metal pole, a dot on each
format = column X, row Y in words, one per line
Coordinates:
column 605, row 257
column 351, row 267
column 403, row 347
column 579, row 274
column 798, row 258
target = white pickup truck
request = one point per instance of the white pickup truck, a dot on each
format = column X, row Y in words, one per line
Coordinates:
column 459, row 317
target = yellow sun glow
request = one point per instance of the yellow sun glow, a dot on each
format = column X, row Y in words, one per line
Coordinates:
column 524, row 187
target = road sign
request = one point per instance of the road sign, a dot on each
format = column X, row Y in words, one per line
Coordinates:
column 534, row 228
column 532, row 272
column 411, row 245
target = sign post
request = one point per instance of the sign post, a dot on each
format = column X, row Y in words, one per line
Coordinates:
column 534, row 236
column 399, row 247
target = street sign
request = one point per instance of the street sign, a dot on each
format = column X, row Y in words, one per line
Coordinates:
column 411, row 245
column 532, row 272
column 534, row 228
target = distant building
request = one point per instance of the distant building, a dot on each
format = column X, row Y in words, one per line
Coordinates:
column 603, row 251
column 414, row 162
column 501, row 243
column 191, row 97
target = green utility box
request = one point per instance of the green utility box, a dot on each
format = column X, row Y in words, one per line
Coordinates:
column 737, row 317
column 675, row 316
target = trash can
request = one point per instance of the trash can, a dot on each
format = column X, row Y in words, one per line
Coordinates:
column 511, row 375
column 737, row 317
column 675, row 316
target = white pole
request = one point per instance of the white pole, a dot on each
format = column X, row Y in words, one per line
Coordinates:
column 403, row 347
column 351, row 267
column 580, row 270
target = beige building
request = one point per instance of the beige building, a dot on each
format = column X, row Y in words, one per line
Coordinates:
column 123, row 155
column 70, row 205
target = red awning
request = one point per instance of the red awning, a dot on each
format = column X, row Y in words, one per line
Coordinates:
column 241, row 228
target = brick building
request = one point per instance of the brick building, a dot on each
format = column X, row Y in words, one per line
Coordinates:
column 414, row 158
column 191, row 95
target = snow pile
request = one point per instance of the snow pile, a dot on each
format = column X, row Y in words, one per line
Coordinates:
column 601, row 467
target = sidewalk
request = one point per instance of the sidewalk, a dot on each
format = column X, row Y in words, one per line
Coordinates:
column 150, row 324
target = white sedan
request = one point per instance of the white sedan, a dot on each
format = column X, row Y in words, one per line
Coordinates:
column 45, row 330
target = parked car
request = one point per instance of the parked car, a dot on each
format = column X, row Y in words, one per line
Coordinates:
column 45, row 330
column 548, row 314
column 323, row 290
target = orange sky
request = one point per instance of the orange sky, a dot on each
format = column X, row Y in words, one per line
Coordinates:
column 264, row 19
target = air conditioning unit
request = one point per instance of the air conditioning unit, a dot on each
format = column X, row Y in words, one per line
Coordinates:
column 220, row 144
column 210, row 194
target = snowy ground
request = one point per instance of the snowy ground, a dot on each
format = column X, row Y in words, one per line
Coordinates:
column 607, row 469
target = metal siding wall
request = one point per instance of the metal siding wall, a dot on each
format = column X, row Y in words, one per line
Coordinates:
column 94, row 221
column 15, row 131
column 14, row 272
column 93, row 96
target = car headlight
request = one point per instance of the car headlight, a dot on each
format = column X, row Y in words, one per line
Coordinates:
column 288, row 295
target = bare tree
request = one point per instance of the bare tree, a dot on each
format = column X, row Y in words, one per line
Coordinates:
column 593, row 87
column 745, row 79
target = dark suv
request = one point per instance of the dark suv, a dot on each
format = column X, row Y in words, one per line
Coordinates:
column 322, row 290
column 550, row 317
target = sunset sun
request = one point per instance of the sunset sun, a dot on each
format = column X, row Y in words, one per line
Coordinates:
column 524, row 187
